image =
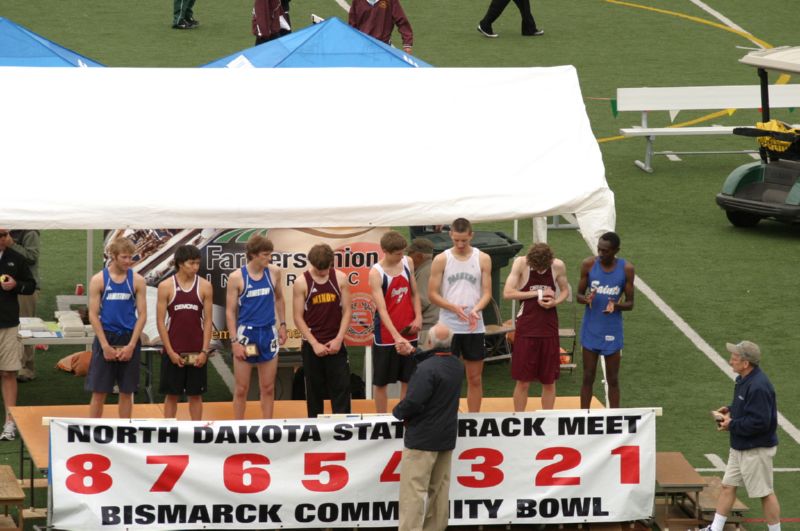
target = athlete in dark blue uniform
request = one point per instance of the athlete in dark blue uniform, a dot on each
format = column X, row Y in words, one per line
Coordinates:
column 254, row 302
column 606, row 288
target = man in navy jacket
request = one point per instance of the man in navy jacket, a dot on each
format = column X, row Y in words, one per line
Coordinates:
column 752, row 420
column 15, row 279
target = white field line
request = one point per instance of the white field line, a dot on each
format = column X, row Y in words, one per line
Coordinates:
column 722, row 18
column 719, row 465
column 344, row 5
column 224, row 371
column 704, row 347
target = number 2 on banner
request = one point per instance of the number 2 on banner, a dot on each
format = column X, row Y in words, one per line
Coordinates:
column 176, row 464
column 337, row 474
column 91, row 467
column 570, row 458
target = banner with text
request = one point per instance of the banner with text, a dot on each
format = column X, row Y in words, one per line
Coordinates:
column 535, row 468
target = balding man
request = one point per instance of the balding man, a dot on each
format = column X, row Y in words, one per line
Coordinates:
column 421, row 253
column 430, row 412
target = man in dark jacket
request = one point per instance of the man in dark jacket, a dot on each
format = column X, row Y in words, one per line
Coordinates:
column 752, row 420
column 15, row 279
column 430, row 412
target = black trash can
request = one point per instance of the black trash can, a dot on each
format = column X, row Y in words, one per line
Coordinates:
column 500, row 248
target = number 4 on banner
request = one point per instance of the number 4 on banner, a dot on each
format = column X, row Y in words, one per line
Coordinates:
column 390, row 473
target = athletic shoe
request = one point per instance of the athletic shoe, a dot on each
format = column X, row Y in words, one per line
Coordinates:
column 9, row 431
column 193, row 23
column 182, row 24
column 486, row 32
column 536, row 33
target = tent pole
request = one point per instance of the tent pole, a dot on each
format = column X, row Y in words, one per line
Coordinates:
column 513, row 302
column 89, row 259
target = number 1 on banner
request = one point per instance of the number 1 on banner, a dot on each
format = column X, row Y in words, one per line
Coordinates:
column 176, row 464
column 628, row 464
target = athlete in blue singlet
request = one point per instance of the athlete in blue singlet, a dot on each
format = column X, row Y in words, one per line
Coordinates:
column 606, row 288
column 254, row 300
column 117, row 311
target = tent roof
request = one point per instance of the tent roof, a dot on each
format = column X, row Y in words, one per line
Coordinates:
column 331, row 43
column 22, row 47
column 283, row 148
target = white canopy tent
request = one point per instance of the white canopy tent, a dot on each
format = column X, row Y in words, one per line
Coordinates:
column 194, row 148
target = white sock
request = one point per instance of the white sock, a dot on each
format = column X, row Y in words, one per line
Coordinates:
column 774, row 527
column 719, row 522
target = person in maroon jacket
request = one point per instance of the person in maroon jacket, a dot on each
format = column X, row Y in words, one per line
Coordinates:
column 379, row 17
column 321, row 311
column 268, row 19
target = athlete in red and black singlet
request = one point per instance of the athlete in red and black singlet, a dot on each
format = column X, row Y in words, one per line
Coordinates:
column 535, row 321
column 322, row 310
column 536, row 347
column 185, row 312
column 399, row 304
column 325, row 376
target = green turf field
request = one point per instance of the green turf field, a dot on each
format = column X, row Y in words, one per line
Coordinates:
column 726, row 284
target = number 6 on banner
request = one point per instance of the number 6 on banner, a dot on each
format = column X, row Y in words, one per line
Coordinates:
column 176, row 464
column 234, row 473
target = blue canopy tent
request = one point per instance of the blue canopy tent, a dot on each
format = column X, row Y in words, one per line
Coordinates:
column 22, row 47
column 331, row 43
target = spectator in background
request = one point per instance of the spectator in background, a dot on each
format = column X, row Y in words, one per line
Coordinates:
column 430, row 414
column 322, row 312
column 183, row 15
column 26, row 243
column 117, row 311
column 379, row 17
column 533, row 281
column 268, row 20
column 15, row 279
column 496, row 8
column 421, row 253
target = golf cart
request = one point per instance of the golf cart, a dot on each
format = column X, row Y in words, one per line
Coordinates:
column 769, row 188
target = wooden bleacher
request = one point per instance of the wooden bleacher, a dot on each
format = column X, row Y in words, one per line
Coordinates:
column 10, row 495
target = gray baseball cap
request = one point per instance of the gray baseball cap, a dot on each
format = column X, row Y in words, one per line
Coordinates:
column 747, row 350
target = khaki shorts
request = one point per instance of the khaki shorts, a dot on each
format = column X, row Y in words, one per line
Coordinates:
column 10, row 350
column 751, row 469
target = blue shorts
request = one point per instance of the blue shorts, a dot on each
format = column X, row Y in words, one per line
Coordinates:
column 103, row 374
column 264, row 337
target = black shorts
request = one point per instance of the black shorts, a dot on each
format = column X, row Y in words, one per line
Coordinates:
column 103, row 374
column 471, row 347
column 188, row 380
column 388, row 366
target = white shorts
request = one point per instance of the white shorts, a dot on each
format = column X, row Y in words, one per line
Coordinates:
column 751, row 469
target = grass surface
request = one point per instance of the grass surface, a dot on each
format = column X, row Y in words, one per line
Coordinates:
column 727, row 284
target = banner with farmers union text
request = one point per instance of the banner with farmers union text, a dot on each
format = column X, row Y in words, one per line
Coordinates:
column 530, row 468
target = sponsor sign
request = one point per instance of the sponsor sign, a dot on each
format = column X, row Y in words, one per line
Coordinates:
column 530, row 468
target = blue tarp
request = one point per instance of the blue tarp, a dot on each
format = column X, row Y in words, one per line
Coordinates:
column 331, row 43
column 22, row 47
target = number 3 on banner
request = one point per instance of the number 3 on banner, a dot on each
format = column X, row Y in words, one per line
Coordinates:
column 89, row 467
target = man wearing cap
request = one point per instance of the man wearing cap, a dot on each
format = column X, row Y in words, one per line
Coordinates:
column 421, row 253
column 752, row 420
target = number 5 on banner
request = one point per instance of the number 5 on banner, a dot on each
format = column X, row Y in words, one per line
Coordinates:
column 337, row 474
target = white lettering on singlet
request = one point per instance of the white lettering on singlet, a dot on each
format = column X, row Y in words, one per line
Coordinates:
column 186, row 307
column 118, row 296
column 259, row 292
column 605, row 290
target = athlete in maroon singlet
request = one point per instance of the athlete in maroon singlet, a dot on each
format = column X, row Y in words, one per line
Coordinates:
column 532, row 281
column 183, row 314
column 321, row 311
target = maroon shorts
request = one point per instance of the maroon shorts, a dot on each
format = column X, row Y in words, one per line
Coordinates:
column 536, row 359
